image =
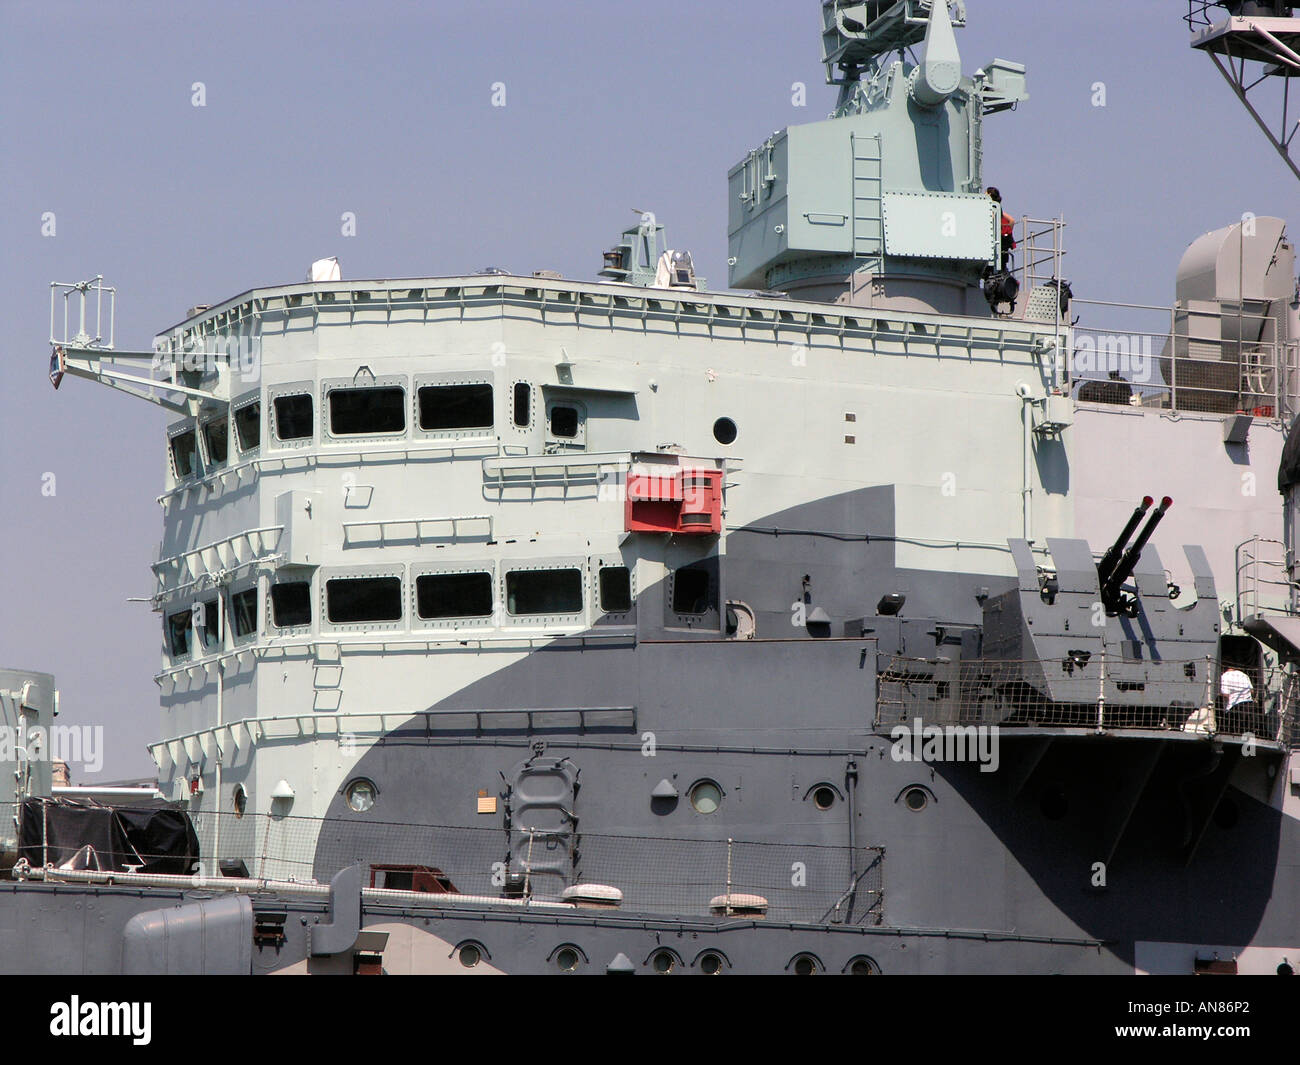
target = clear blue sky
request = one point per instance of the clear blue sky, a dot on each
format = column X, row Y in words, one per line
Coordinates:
column 384, row 109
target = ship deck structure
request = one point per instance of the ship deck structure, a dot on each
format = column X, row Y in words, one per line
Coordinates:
column 515, row 623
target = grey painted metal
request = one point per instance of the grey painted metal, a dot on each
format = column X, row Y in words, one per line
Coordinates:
column 339, row 934
column 203, row 937
column 912, row 509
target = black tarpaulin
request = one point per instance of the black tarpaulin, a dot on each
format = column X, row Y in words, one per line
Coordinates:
column 144, row 837
column 1288, row 472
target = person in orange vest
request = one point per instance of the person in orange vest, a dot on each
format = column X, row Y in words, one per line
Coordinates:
column 1008, row 228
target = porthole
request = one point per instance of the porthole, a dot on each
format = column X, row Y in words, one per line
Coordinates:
column 469, row 955
column 823, row 797
column 916, row 799
column 1285, row 969
column 804, row 965
column 663, row 962
column 240, row 800
column 711, row 964
column 724, row 431
column 360, row 794
column 567, row 959
column 862, row 966
column 706, row 797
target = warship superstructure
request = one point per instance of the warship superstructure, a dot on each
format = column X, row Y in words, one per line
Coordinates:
column 512, row 623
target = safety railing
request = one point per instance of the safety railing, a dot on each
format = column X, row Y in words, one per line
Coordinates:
column 1200, row 14
column 1040, row 251
column 1081, row 690
column 1173, row 358
column 1262, row 581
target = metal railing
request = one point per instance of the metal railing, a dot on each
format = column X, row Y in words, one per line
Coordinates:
column 1177, row 359
column 1081, row 691
column 1262, row 581
column 1198, row 13
column 1040, row 251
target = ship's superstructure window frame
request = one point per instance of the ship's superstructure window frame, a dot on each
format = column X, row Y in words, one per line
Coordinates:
column 572, row 416
column 177, row 633
column 290, row 406
column 614, row 589
column 243, row 613
column 453, row 597
column 455, row 407
column 286, row 602
column 521, row 405
column 216, row 439
column 563, row 420
column 688, row 597
column 362, row 601
column 369, row 410
column 539, row 588
column 246, row 415
column 183, row 451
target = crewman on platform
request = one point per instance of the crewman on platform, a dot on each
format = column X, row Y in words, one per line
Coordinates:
column 1008, row 228
column 1240, row 712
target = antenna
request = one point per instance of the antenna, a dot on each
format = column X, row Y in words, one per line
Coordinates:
column 80, row 349
column 1257, row 50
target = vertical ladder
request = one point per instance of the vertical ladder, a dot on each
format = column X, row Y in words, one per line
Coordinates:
column 868, row 184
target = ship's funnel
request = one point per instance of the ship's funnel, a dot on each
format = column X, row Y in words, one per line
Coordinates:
column 939, row 73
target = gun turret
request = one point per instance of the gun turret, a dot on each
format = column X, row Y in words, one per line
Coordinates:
column 1124, row 569
column 1108, row 561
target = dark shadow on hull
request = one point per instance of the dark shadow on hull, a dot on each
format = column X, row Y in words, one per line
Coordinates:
column 1187, row 858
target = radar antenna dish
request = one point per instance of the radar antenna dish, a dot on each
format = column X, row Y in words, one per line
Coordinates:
column 1257, row 50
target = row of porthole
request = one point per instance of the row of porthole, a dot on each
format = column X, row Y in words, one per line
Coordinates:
column 568, row 958
column 705, row 796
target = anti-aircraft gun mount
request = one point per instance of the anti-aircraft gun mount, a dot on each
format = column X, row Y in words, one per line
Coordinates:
column 1082, row 644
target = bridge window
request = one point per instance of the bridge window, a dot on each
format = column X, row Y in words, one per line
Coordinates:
column 291, row 603
column 293, row 417
column 248, row 425
column 183, row 447
column 178, row 633
column 691, row 591
column 551, row 591
column 216, row 434
column 453, row 595
column 523, row 403
column 361, row 411
column 353, row 600
column 243, row 612
column 446, row 407
column 615, row 590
